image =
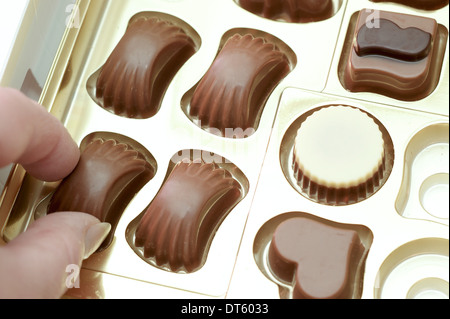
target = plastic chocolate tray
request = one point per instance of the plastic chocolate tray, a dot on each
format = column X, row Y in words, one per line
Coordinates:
column 195, row 116
column 406, row 240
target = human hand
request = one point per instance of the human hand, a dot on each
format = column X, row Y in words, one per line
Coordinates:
column 34, row 264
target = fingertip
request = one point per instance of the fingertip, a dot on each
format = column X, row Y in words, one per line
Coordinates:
column 94, row 237
column 32, row 137
column 60, row 161
column 34, row 265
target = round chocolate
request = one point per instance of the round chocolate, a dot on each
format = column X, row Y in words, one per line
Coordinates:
column 339, row 155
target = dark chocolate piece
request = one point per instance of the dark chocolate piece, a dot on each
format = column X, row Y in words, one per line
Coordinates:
column 290, row 10
column 106, row 179
column 135, row 77
column 407, row 68
column 233, row 92
column 420, row 4
column 178, row 226
column 320, row 260
column 388, row 39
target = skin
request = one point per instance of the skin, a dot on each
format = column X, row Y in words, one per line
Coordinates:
column 34, row 264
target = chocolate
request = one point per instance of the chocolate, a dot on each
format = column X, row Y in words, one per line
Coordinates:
column 388, row 40
column 176, row 230
column 233, row 92
column 106, row 179
column 393, row 54
column 339, row 156
column 420, row 4
column 136, row 75
column 318, row 259
column 290, row 10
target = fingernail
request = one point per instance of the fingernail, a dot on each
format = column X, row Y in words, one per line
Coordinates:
column 94, row 237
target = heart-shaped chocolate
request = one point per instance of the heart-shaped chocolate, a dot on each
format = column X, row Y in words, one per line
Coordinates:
column 319, row 260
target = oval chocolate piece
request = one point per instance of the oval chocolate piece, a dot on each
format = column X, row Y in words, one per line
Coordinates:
column 107, row 177
column 384, row 37
column 177, row 228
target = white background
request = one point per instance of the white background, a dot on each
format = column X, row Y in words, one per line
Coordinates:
column 11, row 12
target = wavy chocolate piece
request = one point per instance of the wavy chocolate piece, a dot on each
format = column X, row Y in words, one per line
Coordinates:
column 420, row 4
column 233, row 92
column 136, row 75
column 318, row 259
column 106, row 179
column 410, row 44
column 178, row 226
column 290, row 10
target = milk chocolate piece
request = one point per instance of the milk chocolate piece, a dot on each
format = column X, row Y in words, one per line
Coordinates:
column 136, row 75
column 106, row 179
column 420, row 4
column 290, row 10
column 320, row 260
column 179, row 224
column 339, row 156
column 389, row 40
column 402, row 63
column 233, row 92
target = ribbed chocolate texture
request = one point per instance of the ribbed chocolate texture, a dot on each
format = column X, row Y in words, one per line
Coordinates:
column 339, row 156
column 179, row 225
column 233, row 92
column 339, row 195
column 319, row 260
column 136, row 75
column 106, row 179
column 290, row 10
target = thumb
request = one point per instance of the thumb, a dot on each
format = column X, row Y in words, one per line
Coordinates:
column 34, row 264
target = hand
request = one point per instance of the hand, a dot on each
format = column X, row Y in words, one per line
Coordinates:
column 34, row 264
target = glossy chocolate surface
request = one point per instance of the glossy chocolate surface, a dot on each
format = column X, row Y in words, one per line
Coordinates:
column 179, row 224
column 290, row 10
column 401, row 63
column 233, row 92
column 106, row 179
column 319, row 260
column 136, row 75
column 420, row 4
column 389, row 40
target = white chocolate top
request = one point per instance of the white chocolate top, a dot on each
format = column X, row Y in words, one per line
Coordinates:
column 339, row 146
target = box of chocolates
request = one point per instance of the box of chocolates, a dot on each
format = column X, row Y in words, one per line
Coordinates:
column 253, row 149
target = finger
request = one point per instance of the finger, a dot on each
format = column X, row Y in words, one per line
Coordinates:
column 30, row 136
column 34, row 265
